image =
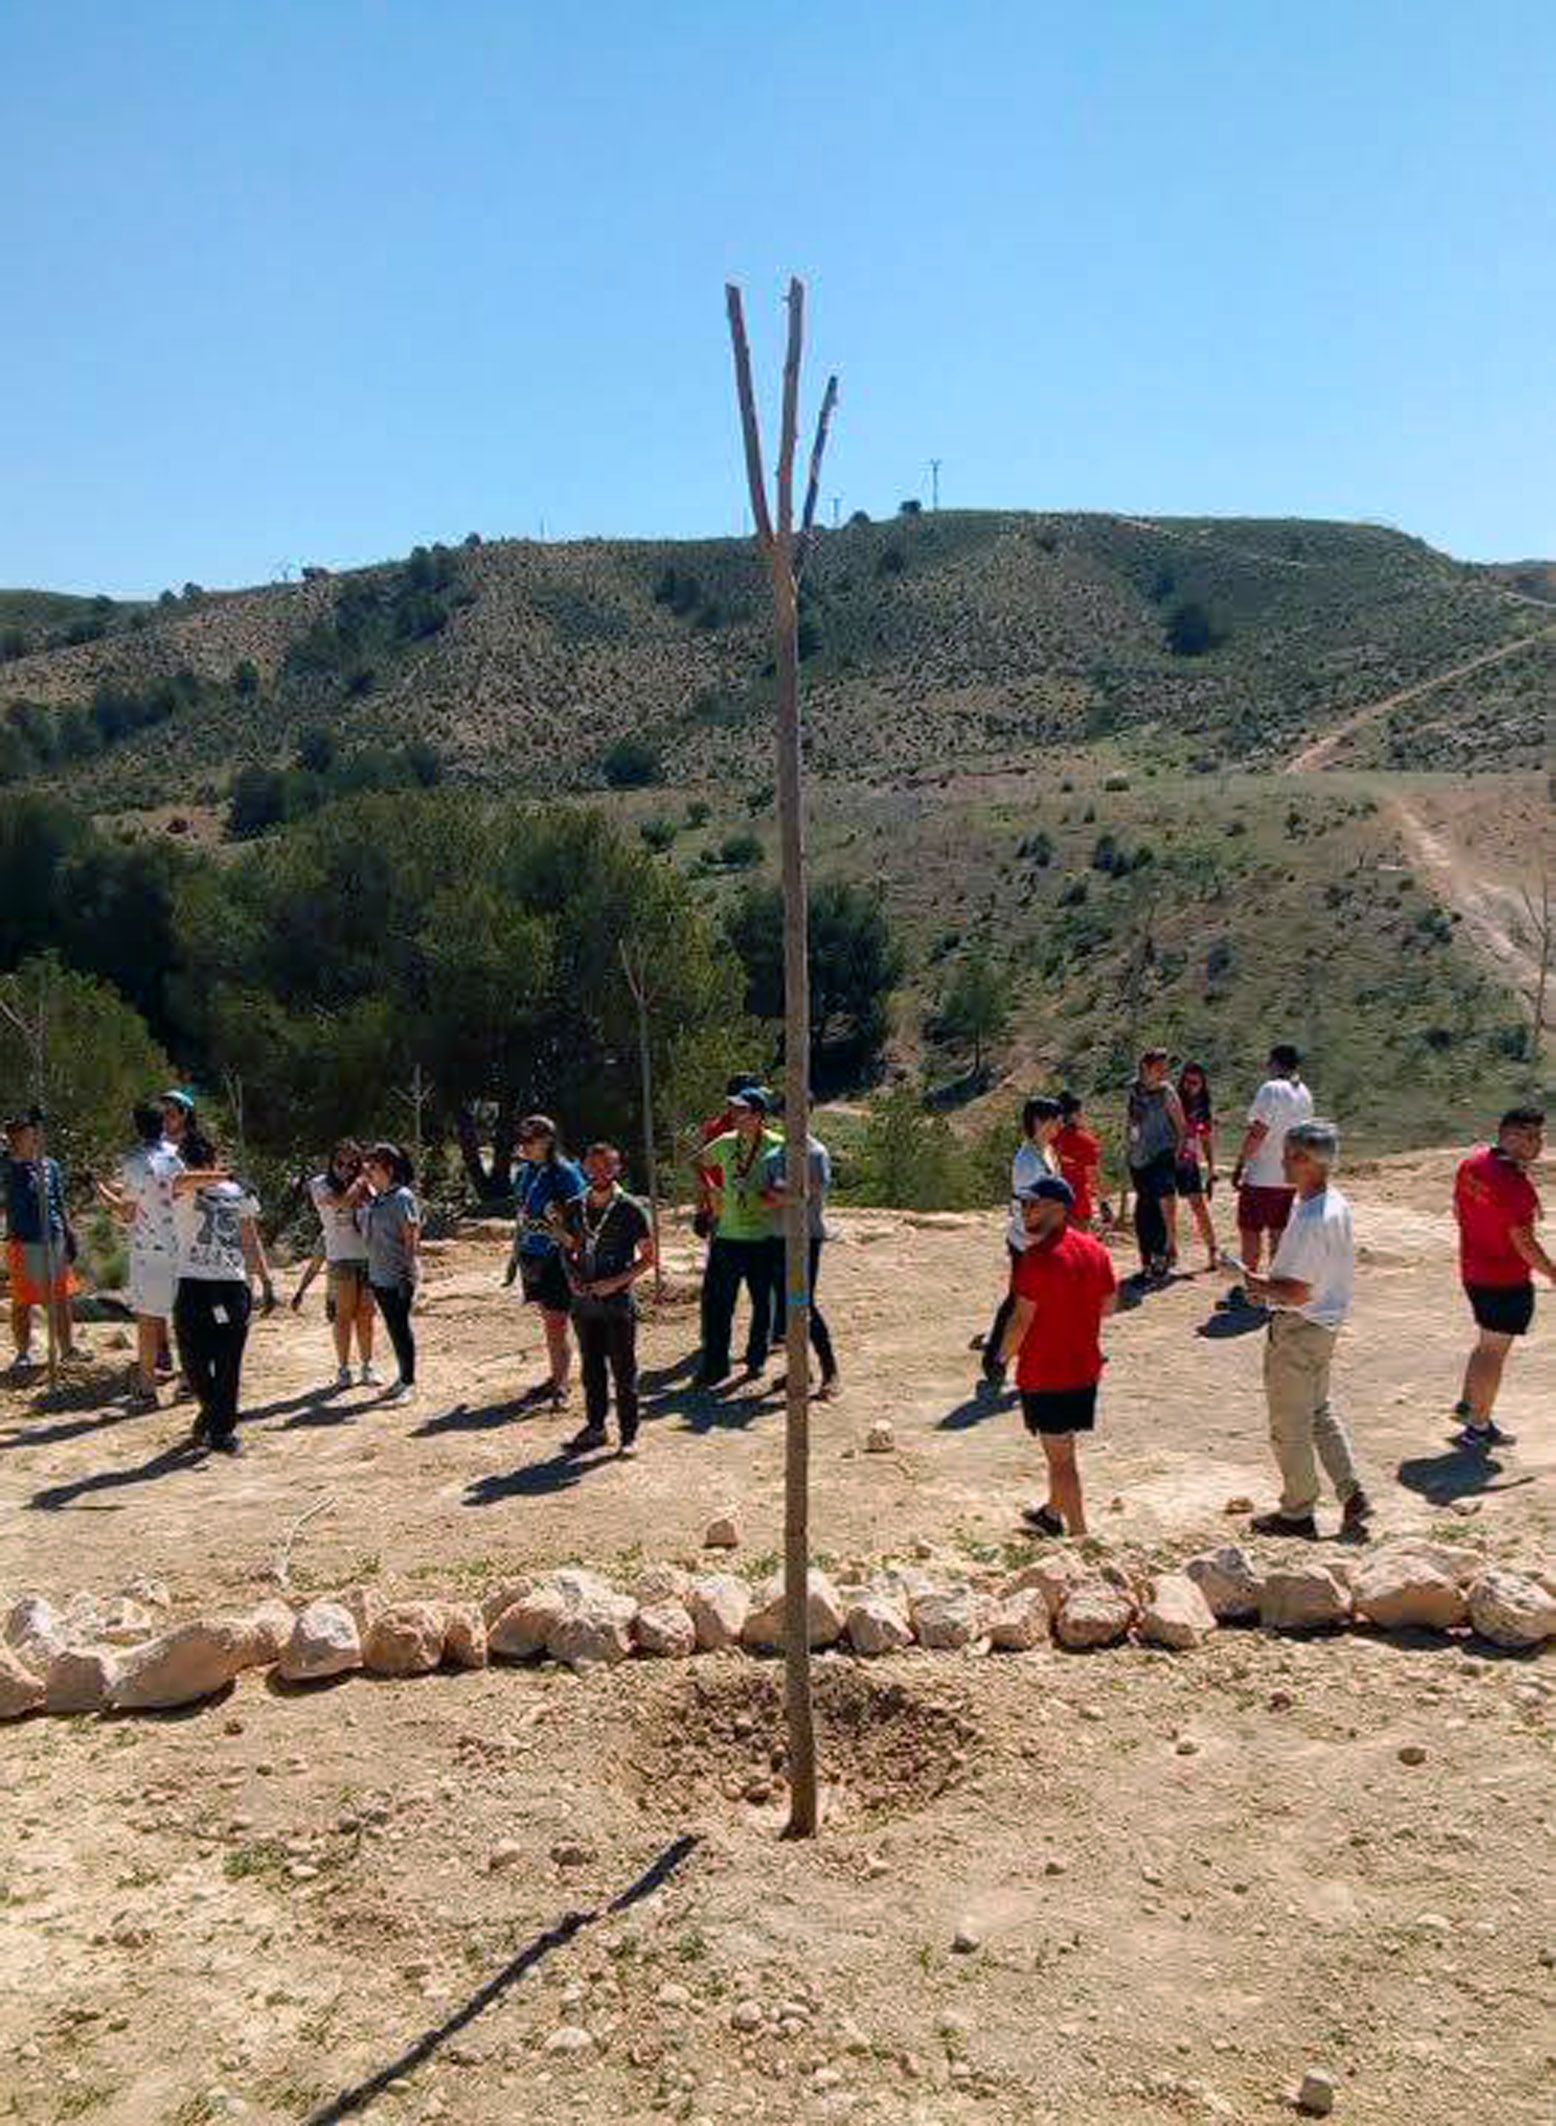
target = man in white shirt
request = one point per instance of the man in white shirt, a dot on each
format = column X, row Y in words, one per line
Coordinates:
column 142, row 1198
column 1264, row 1195
column 1308, row 1292
column 1041, row 1121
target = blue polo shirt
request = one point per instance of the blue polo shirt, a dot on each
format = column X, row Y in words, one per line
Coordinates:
column 23, row 1220
column 536, row 1189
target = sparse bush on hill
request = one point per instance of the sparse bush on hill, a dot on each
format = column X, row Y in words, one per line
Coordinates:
column 855, row 963
column 911, row 1159
column 1192, row 630
column 977, row 1007
column 632, row 764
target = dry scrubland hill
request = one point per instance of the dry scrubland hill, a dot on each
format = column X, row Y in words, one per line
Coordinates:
column 965, row 635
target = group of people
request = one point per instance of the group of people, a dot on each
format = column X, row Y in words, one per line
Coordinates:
column 1062, row 1286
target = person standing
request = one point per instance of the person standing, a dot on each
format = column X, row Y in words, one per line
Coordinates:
column 142, row 1198
column 41, row 1255
column 220, row 1255
column 336, row 1197
column 1154, row 1133
column 390, row 1219
column 1197, row 1154
column 1078, row 1152
column 546, row 1184
column 608, row 1249
column 740, row 1250
column 1065, row 1288
column 1308, row 1291
column 818, row 1186
column 1041, row 1120
column 1264, row 1197
column 1497, row 1210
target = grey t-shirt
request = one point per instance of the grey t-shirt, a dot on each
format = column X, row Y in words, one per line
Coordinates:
column 385, row 1220
column 819, row 1179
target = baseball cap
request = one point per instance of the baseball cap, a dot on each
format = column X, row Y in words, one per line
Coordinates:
column 175, row 1096
column 1048, row 1188
column 755, row 1097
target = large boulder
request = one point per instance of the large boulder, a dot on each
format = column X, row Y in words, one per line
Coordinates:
column 464, row 1635
column 1511, row 1609
column 265, row 1632
column 80, row 1680
column 35, row 1632
column 1403, row 1589
column 718, row 1605
column 406, row 1640
column 824, row 1616
column 1053, row 1574
column 594, row 1630
column 503, row 1597
column 877, row 1625
column 1303, row 1598
column 1455, row 1561
column 325, row 1642
column 520, row 1632
column 1176, row 1614
column 661, row 1583
column 20, row 1690
column 665, row 1629
column 949, row 1618
column 1094, row 1613
column 181, row 1667
column 1018, row 1622
column 1229, row 1580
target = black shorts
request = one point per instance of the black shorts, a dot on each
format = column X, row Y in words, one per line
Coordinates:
column 1060, row 1409
column 1191, row 1179
column 1504, row 1309
column 545, row 1282
column 1158, row 1179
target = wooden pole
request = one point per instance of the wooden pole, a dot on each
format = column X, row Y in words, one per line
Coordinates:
column 34, row 1033
column 638, row 984
column 779, row 552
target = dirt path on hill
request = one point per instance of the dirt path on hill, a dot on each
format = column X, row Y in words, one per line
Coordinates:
column 1491, row 913
column 1320, row 752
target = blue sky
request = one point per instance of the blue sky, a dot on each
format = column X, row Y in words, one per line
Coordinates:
column 313, row 280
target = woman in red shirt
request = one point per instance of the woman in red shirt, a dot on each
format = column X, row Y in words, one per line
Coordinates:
column 1079, row 1153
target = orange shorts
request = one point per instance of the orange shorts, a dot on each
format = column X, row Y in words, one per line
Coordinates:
column 30, row 1274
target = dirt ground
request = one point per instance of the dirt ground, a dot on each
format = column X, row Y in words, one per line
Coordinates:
column 1189, row 1877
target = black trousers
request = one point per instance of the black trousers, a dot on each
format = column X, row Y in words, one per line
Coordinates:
column 1152, row 1184
column 608, row 1353
column 731, row 1264
column 212, row 1320
column 820, row 1334
column 993, row 1366
column 394, row 1303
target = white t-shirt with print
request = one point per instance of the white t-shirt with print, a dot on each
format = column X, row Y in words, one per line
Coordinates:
column 1280, row 1103
column 146, row 1176
column 1030, row 1164
column 210, row 1233
column 344, row 1240
column 1318, row 1248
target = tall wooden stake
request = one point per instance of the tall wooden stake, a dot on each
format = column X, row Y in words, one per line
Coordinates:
column 637, row 982
column 783, row 555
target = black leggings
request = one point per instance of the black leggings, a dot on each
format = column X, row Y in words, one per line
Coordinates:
column 608, row 1352
column 394, row 1303
column 993, row 1364
column 212, row 1320
column 1153, row 1184
column 732, row 1263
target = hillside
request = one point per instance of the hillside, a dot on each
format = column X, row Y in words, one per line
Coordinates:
column 962, row 638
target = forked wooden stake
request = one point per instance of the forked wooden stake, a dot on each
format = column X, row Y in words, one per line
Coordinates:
column 783, row 553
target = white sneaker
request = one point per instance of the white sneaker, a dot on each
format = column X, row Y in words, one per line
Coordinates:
column 401, row 1392
column 343, row 1377
column 368, row 1376
column 22, row 1364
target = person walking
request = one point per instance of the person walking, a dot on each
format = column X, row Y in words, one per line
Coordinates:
column 1197, row 1155
column 1078, row 1153
column 546, row 1184
column 818, row 1186
column 1041, row 1120
column 1308, row 1291
column 390, row 1220
column 1065, row 1288
column 1154, row 1133
column 220, row 1256
column 740, row 1250
column 142, row 1199
column 336, row 1197
column 1264, row 1197
column 1497, row 1210
column 40, row 1242
column 608, row 1249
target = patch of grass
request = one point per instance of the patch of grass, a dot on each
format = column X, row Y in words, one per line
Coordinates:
column 76, row 2100
column 264, row 1860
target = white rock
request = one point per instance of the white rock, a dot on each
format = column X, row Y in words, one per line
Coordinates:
column 324, row 1642
column 35, row 1632
column 949, row 1618
column 880, row 1439
column 1177, row 1614
column 665, row 1628
column 1229, row 1580
column 1303, row 1598
column 966, row 1939
column 151, row 1594
column 1456, row 1561
column 504, row 1596
column 1018, row 1622
column 877, row 1625
column 464, row 1635
column 20, row 1690
column 569, row 2042
column 80, row 1680
column 520, row 1632
column 1095, row 1613
column 366, row 1605
column 823, row 1614
column 1053, row 1575
column 263, row 1632
column 661, row 1583
column 406, row 1639
column 1512, row 1610
column 181, row 1667
column 1400, row 1589
column 722, row 1533
column 718, row 1605
column 122, row 1622
column 1316, row 2096
column 596, row 1629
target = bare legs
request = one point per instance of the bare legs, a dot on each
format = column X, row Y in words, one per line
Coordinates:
column 1483, row 1375
column 1207, row 1228
column 1064, row 1481
column 559, row 1349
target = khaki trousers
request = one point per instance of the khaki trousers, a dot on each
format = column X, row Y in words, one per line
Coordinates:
column 1297, row 1359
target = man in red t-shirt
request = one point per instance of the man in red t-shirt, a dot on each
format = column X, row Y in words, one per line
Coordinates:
column 1497, row 1211
column 1079, row 1153
column 1064, row 1289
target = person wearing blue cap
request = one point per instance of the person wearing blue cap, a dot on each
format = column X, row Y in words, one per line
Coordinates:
column 1063, row 1290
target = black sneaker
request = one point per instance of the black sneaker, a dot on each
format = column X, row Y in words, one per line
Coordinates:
column 229, row 1443
column 1300, row 1525
column 589, row 1441
column 1042, row 1521
column 1477, row 1438
column 1354, row 1516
